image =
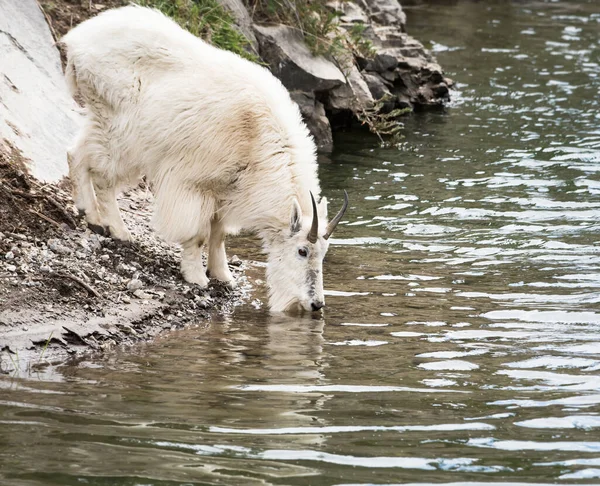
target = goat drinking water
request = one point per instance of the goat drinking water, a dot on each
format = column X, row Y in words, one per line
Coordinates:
column 218, row 137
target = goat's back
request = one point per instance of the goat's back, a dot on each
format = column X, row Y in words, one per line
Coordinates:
column 172, row 100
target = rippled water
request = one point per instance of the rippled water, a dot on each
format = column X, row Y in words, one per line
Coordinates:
column 461, row 341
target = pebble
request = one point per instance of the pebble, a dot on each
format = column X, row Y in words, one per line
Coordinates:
column 56, row 247
column 134, row 284
column 203, row 301
column 11, row 268
column 140, row 294
column 45, row 269
column 105, row 257
column 235, row 261
column 125, row 299
column 10, row 256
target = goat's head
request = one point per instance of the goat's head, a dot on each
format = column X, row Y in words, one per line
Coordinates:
column 295, row 267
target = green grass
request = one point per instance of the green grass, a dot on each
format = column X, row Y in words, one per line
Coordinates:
column 208, row 20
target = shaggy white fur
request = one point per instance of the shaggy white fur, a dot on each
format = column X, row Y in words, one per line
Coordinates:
column 218, row 136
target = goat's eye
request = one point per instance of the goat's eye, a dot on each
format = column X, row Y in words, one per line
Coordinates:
column 303, row 252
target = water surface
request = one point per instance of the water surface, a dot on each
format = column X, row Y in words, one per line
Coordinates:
column 461, row 339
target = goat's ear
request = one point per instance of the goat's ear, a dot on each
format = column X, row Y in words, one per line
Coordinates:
column 322, row 208
column 296, row 218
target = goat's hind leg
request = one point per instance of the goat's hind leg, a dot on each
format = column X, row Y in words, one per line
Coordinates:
column 217, row 258
column 110, row 216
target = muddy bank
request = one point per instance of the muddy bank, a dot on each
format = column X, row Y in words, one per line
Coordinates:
column 65, row 290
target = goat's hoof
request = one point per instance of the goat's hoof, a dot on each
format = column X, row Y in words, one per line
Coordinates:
column 121, row 237
column 98, row 229
column 200, row 280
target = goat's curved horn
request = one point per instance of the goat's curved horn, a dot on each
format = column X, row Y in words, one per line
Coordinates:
column 334, row 222
column 314, row 229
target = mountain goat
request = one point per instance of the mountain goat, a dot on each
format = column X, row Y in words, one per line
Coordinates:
column 218, row 137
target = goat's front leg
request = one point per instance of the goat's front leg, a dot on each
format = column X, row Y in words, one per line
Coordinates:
column 192, row 267
column 217, row 259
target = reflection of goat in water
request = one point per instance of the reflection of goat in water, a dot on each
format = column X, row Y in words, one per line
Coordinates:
column 218, row 137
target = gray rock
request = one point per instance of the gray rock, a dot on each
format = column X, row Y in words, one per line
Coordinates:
column 313, row 113
column 350, row 12
column 9, row 255
column 382, row 62
column 38, row 114
column 377, row 86
column 11, row 268
column 57, row 247
column 243, row 20
column 353, row 96
column 289, row 58
column 384, row 12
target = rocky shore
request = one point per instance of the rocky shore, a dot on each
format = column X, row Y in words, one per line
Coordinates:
column 64, row 289
column 380, row 61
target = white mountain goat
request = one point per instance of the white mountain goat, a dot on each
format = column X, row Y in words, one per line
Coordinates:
column 218, row 137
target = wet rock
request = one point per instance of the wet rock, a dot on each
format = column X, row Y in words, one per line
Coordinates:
column 203, row 301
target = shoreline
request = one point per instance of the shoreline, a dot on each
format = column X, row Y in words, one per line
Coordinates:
column 65, row 290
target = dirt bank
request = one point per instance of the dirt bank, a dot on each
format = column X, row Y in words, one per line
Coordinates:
column 65, row 290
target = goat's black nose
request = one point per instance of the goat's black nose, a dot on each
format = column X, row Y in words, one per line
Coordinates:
column 316, row 305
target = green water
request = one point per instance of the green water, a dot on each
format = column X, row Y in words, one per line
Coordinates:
column 461, row 338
